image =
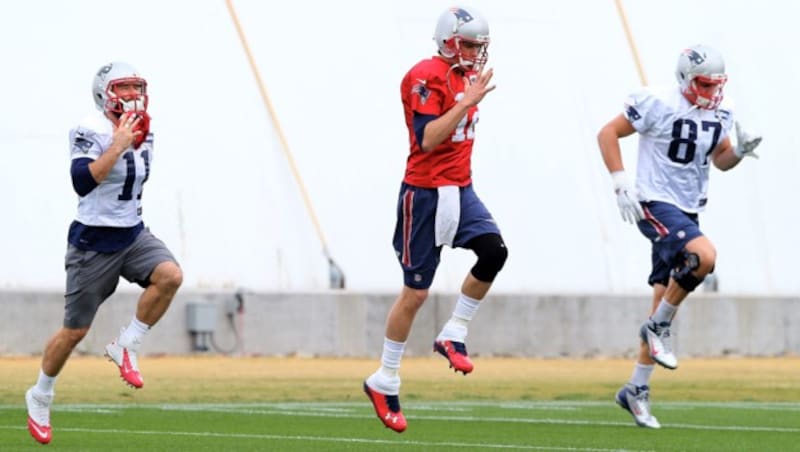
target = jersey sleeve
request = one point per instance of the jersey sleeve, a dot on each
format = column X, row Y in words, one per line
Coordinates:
column 84, row 143
column 427, row 92
column 642, row 109
column 726, row 116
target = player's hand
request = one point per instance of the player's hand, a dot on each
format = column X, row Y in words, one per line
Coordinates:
column 126, row 131
column 627, row 201
column 476, row 86
column 746, row 142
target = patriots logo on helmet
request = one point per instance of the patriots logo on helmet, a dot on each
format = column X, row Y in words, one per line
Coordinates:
column 694, row 56
column 632, row 114
column 104, row 70
column 420, row 90
column 462, row 16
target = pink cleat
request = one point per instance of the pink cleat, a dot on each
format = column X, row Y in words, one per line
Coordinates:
column 125, row 359
column 39, row 415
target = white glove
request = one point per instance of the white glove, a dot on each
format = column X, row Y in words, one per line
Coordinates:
column 627, row 200
column 746, row 143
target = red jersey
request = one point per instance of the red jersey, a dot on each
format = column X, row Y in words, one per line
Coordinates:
column 425, row 90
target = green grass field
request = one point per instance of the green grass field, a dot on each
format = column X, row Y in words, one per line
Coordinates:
column 249, row 405
column 569, row 426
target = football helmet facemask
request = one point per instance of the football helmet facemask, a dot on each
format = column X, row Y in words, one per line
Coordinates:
column 457, row 25
column 702, row 64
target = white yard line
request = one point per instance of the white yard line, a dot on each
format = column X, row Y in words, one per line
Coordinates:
column 329, row 439
column 355, row 410
column 458, row 406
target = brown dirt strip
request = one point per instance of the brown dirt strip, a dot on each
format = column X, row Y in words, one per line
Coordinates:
column 209, row 379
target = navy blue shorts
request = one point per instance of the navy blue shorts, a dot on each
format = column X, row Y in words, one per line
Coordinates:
column 414, row 234
column 669, row 230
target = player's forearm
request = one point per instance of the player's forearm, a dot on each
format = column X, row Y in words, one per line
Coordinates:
column 725, row 159
column 101, row 168
column 442, row 127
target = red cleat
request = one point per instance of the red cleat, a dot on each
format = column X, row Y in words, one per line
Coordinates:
column 40, row 433
column 456, row 353
column 126, row 360
column 387, row 407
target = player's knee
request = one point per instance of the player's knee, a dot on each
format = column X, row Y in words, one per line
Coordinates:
column 413, row 298
column 74, row 335
column 708, row 259
column 693, row 268
column 168, row 276
column 492, row 254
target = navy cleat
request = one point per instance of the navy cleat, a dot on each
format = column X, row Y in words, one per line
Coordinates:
column 636, row 401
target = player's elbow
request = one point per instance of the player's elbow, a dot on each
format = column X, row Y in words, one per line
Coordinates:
column 426, row 146
column 605, row 134
column 82, row 180
column 428, row 141
column 723, row 164
column 724, row 158
column 617, row 128
column 606, row 138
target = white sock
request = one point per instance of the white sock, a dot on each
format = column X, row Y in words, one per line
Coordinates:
column 664, row 312
column 390, row 360
column 641, row 374
column 386, row 379
column 45, row 383
column 456, row 328
column 465, row 309
column 134, row 333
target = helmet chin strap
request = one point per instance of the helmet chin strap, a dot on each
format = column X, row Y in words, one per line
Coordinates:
column 472, row 77
column 447, row 76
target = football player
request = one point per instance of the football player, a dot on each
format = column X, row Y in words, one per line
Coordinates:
column 112, row 152
column 683, row 130
column 437, row 204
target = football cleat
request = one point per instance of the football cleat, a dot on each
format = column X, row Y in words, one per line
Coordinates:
column 456, row 354
column 659, row 343
column 125, row 358
column 387, row 408
column 39, row 415
column 636, row 401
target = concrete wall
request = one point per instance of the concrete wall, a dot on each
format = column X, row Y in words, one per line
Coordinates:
column 349, row 324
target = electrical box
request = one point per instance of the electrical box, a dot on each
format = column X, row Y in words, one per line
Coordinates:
column 201, row 317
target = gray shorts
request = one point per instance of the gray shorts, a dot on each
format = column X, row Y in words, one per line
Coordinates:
column 92, row 277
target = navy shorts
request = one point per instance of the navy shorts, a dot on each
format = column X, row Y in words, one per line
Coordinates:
column 669, row 229
column 414, row 234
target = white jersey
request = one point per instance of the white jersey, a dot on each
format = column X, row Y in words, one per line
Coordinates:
column 117, row 200
column 675, row 143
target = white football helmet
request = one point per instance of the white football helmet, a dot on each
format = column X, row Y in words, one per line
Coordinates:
column 107, row 78
column 457, row 25
column 704, row 64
